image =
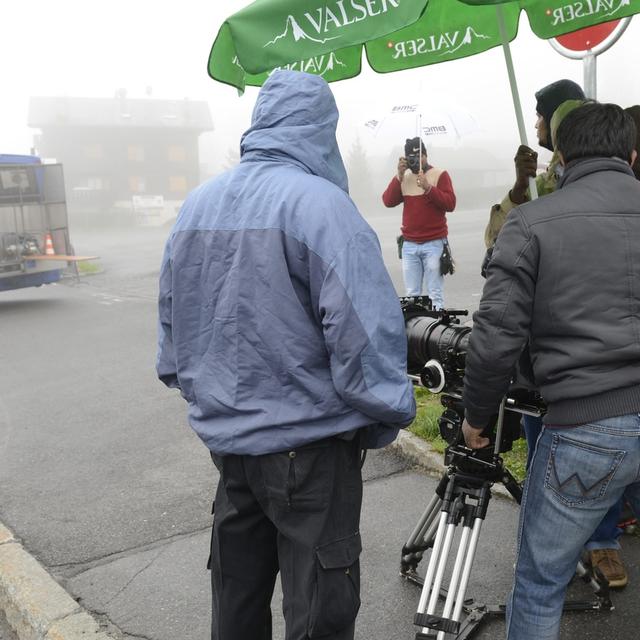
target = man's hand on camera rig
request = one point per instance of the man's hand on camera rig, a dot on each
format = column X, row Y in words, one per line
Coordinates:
column 473, row 436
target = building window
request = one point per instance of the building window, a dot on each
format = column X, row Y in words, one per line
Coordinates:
column 135, row 153
column 96, row 183
column 177, row 184
column 93, row 151
column 176, row 153
column 136, row 184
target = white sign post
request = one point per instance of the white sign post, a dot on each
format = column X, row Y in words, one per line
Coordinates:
column 586, row 45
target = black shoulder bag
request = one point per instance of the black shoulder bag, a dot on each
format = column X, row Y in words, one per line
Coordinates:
column 447, row 263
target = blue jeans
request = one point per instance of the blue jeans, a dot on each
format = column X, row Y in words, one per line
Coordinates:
column 577, row 474
column 421, row 270
column 607, row 534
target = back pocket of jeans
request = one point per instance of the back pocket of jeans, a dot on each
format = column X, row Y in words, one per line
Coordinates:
column 336, row 598
column 579, row 473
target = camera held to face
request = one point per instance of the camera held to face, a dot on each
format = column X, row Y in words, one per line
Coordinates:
column 414, row 152
column 413, row 162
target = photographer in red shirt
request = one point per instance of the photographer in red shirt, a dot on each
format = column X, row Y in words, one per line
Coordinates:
column 426, row 194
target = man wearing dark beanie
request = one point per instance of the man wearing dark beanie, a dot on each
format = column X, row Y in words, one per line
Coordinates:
column 549, row 98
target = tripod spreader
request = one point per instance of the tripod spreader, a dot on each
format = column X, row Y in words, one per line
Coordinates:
column 461, row 498
column 465, row 501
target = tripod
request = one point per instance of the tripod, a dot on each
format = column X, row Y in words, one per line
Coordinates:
column 462, row 497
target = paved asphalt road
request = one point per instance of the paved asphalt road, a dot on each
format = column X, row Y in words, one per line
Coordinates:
column 103, row 481
column 6, row 633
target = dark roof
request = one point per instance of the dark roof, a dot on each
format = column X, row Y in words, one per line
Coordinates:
column 119, row 112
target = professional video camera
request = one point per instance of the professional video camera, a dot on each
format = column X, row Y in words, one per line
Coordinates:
column 437, row 348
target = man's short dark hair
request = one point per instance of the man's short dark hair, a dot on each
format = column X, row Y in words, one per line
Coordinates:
column 596, row 130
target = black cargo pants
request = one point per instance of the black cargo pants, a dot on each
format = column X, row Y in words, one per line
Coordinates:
column 296, row 512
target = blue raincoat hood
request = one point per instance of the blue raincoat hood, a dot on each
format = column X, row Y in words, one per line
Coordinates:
column 295, row 119
column 278, row 320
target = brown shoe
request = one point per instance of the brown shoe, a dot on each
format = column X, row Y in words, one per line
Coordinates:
column 610, row 563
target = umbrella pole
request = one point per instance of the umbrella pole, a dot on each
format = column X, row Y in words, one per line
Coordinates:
column 533, row 190
column 420, row 141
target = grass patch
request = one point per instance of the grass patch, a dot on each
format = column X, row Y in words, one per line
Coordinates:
column 425, row 426
column 87, row 267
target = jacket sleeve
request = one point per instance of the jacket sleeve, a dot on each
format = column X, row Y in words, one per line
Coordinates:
column 442, row 195
column 166, row 367
column 392, row 196
column 545, row 183
column 365, row 336
column 502, row 323
column 497, row 216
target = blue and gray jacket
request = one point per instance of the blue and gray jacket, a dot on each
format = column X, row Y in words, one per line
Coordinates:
column 278, row 320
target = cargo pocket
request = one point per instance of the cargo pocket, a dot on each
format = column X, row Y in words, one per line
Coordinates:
column 579, row 473
column 336, row 597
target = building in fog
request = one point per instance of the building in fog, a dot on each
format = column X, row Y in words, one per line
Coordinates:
column 122, row 158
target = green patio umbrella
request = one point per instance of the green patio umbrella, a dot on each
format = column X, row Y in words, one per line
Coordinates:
column 326, row 37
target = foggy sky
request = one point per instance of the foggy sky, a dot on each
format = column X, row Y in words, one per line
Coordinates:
column 80, row 48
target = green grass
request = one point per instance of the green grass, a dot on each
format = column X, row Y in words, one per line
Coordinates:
column 425, row 426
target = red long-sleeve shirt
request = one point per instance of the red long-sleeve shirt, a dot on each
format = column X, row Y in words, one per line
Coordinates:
column 424, row 213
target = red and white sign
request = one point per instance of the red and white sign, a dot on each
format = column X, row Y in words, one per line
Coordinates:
column 590, row 40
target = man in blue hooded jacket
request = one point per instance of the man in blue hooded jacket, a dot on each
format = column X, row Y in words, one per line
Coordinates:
column 282, row 330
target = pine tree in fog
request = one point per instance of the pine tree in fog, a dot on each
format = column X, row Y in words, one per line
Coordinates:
column 232, row 159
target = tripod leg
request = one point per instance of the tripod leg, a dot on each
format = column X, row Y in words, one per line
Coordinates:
column 423, row 534
column 511, row 485
column 429, row 537
column 455, row 576
column 418, row 538
column 442, row 565
column 600, row 587
column 466, row 572
column 433, row 561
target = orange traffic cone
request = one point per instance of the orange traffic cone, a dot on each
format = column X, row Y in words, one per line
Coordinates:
column 48, row 246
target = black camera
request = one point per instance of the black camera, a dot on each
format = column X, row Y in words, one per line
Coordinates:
column 437, row 347
column 413, row 161
column 413, row 149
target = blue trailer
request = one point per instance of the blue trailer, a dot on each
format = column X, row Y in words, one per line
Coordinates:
column 34, row 233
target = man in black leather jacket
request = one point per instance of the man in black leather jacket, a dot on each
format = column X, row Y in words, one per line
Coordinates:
column 565, row 275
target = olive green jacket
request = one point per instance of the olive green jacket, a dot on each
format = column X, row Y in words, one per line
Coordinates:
column 545, row 182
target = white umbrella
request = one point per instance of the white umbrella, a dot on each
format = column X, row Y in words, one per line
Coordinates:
column 437, row 125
